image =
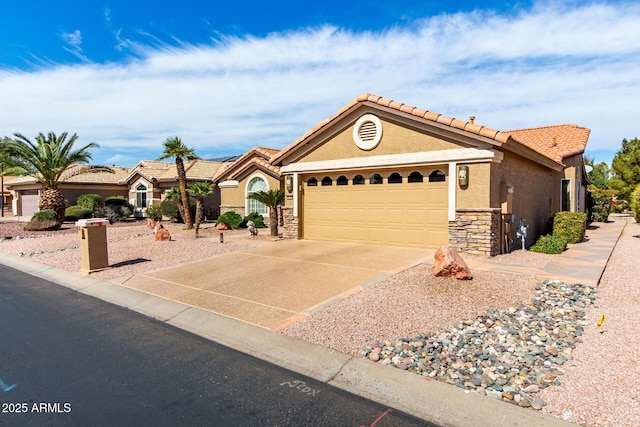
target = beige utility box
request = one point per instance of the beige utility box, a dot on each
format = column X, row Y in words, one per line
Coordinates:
column 93, row 244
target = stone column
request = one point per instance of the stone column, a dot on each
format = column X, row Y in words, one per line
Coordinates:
column 476, row 231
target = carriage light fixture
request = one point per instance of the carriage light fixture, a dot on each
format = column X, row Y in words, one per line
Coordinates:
column 463, row 175
column 289, row 183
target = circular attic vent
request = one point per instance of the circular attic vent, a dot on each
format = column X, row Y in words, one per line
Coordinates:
column 367, row 132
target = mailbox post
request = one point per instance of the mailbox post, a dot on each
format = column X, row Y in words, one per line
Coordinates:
column 93, row 244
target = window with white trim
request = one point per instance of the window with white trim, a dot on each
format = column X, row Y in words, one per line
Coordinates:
column 565, row 196
column 141, row 196
column 255, row 185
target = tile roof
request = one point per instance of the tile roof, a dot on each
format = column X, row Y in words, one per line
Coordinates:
column 473, row 128
column 258, row 156
column 154, row 170
column 556, row 142
column 569, row 139
column 83, row 178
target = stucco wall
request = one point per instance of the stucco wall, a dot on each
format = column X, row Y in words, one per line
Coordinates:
column 396, row 139
column 535, row 194
column 478, row 193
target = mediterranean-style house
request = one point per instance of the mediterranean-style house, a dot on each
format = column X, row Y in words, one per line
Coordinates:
column 143, row 185
column 383, row 172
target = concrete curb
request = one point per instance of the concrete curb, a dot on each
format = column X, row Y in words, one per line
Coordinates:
column 413, row 394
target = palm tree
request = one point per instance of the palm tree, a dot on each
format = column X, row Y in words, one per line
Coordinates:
column 175, row 194
column 200, row 190
column 46, row 160
column 173, row 147
column 272, row 199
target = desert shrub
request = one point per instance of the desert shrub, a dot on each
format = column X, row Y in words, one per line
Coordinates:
column 549, row 244
column 154, row 212
column 570, row 226
column 43, row 220
column 635, row 203
column 169, row 208
column 74, row 213
column 92, row 202
column 257, row 219
column 117, row 201
column 231, row 218
column 599, row 203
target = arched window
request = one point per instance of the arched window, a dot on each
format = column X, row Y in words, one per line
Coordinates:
column 395, row 178
column 327, row 181
column 141, row 196
column 342, row 180
column 312, row 182
column 376, row 178
column 415, row 177
column 437, row 176
column 257, row 183
column 358, row 180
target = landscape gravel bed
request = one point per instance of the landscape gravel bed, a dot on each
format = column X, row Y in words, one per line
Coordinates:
column 595, row 385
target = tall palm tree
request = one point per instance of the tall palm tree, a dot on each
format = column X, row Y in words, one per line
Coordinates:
column 173, row 147
column 200, row 190
column 47, row 159
column 271, row 198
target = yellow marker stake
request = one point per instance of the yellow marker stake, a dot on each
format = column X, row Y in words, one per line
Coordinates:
column 601, row 320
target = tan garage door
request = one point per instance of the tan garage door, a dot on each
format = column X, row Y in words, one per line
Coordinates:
column 406, row 213
column 29, row 202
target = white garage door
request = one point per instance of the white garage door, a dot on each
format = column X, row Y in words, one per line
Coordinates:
column 29, row 202
column 407, row 208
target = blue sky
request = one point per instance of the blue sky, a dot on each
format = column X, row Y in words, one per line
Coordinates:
column 226, row 76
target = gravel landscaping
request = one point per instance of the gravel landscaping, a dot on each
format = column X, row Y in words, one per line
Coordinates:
column 507, row 336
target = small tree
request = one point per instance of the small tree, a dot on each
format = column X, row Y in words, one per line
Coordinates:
column 175, row 195
column 200, row 190
column 173, row 147
column 272, row 199
column 626, row 167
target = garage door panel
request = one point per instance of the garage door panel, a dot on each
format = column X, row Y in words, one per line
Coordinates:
column 413, row 214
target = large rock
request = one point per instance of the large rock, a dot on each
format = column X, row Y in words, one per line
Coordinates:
column 448, row 263
column 162, row 234
column 223, row 226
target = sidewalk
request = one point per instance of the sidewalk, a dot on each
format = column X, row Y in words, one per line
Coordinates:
column 429, row 400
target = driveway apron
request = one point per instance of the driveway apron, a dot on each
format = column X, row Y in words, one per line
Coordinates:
column 276, row 285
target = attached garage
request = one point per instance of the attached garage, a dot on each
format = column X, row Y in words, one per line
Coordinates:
column 29, row 200
column 400, row 207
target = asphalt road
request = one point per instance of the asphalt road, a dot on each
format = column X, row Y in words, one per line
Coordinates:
column 70, row 359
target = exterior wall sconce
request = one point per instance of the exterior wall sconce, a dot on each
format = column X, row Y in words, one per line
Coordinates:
column 463, row 176
column 289, row 183
column 510, row 189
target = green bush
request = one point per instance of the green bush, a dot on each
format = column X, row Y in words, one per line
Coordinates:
column 92, row 202
column 74, row 213
column 635, row 203
column 118, row 201
column 599, row 203
column 232, row 218
column 43, row 220
column 257, row 219
column 169, row 208
column 549, row 244
column 570, row 226
column 154, row 212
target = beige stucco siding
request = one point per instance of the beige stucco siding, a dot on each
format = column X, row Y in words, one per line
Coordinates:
column 236, row 196
column 531, row 198
column 478, row 193
column 395, row 140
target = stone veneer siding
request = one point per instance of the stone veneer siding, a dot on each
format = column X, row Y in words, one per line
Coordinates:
column 290, row 227
column 476, row 231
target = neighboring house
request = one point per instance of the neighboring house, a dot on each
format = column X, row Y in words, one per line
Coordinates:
column 149, row 180
column 6, row 193
column 250, row 173
column 26, row 190
column 143, row 185
column 383, row 172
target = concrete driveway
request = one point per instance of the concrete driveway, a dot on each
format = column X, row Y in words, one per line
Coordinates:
column 280, row 283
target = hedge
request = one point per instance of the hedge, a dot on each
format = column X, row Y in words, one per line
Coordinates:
column 570, row 226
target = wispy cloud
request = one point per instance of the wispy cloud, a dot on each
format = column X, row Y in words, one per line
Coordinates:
column 74, row 41
column 545, row 65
